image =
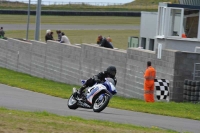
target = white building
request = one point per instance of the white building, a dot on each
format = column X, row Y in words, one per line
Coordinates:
column 174, row 26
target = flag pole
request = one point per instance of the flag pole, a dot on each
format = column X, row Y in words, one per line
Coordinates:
column 28, row 19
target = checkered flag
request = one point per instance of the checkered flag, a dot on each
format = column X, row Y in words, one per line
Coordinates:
column 162, row 89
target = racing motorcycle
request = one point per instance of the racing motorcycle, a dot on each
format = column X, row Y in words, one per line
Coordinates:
column 96, row 97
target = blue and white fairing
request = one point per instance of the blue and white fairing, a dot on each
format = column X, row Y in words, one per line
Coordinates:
column 107, row 87
column 110, row 87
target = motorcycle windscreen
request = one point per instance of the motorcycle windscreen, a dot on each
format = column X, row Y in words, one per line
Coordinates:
column 110, row 87
column 113, row 89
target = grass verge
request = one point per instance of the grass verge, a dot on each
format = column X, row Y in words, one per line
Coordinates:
column 37, row 122
column 80, row 20
column 83, row 7
column 183, row 110
column 119, row 37
column 136, row 5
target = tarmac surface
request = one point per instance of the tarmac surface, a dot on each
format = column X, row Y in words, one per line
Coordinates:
column 19, row 99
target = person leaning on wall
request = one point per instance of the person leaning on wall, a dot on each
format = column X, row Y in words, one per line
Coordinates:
column 149, row 76
column 109, row 40
column 59, row 35
column 64, row 39
column 103, row 42
column 99, row 39
column 2, row 33
column 49, row 35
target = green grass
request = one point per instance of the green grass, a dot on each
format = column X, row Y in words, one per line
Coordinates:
column 62, row 20
column 182, row 110
column 146, row 7
column 137, row 5
column 119, row 37
column 83, row 7
column 44, row 122
column 152, row 1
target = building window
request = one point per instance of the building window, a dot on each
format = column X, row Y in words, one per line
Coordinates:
column 183, row 23
column 176, row 22
column 191, row 23
column 143, row 43
column 151, row 44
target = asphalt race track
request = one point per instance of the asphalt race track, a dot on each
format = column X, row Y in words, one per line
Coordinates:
column 19, row 99
column 69, row 27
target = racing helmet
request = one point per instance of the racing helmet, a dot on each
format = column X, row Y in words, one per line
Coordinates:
column 112, row 71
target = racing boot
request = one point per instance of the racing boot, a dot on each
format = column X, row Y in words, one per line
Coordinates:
column 79, row 92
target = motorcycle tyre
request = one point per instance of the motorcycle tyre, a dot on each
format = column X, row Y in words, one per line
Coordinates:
column 104, row 104
column 73, row 106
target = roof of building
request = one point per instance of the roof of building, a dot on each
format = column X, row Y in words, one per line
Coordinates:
column 184, row 6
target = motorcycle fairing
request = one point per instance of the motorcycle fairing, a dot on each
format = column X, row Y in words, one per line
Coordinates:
column 84, row 105
column 83, row 81
column 93, row 91
column 110, row 87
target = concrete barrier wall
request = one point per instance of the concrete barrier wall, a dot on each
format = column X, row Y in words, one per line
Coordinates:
column 135, row 68
column 183, row 69
column 3, row 53
column 12, row 54
column 53, row 61
column 38, row 59
column 95, row 59
column 71, row 63
column 165, row 69
column 71, row 67
column 24, row 57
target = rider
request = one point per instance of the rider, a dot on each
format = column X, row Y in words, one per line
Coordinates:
column 99, row 78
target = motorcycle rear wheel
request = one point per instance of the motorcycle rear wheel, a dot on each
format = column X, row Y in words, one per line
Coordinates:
column 100, row 105
column 72, row 102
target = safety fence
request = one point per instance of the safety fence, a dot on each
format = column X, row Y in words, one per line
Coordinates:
column 62, row 2
column 191, row 92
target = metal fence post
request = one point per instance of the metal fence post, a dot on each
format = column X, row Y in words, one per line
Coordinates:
column 194, row 71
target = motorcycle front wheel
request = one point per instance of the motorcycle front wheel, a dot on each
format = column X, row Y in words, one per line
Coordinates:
column 72, row 102
column 101, row 102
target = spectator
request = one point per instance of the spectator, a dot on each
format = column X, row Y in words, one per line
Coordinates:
column 109, row 40
column 149, row 77
column 59, row 35
column 98, row 39
column 104, row 43
column 48, row 31
column 51, row 34
column 64, row 38
column 2, row 33
column 48, row 35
